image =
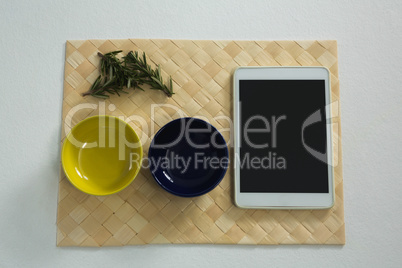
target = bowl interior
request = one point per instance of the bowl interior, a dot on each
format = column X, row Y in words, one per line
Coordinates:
column 101, row 155
column 188, row 157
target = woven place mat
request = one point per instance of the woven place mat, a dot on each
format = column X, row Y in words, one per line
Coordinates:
column 144, row 213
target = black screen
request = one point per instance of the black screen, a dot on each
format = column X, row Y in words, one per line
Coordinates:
column 274, row 114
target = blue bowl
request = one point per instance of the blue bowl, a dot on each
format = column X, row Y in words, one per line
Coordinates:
column 188, row 157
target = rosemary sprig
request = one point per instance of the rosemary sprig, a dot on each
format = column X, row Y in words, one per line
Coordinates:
column 130, row 72
column 152, row 77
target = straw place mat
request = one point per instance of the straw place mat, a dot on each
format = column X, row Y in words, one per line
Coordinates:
column 144, row 213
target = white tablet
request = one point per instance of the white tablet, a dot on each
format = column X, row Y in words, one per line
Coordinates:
column 283, row 144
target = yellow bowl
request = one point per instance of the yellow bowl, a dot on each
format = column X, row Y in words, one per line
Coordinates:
column 101, row 155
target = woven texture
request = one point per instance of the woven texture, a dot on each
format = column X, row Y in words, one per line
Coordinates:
column 143, row 213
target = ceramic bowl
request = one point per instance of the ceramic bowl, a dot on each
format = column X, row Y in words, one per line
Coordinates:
column 188, row 157
column 101, row 155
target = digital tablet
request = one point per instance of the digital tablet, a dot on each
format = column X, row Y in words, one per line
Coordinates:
column 283, row 138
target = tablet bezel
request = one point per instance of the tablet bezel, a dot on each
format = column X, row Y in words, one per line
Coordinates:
column 283, row 200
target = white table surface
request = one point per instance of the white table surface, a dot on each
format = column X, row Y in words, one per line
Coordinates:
column 32, row 48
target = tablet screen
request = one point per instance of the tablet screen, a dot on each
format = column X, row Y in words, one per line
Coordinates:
column 278, row 132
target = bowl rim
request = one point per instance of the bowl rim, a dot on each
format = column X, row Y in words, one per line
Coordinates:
column 64, row 146
column 206, row 190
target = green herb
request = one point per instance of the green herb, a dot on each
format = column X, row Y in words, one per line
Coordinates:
column 131, row 71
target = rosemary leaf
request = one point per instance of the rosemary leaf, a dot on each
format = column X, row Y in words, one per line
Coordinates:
column 100, row 96
column 157, row 81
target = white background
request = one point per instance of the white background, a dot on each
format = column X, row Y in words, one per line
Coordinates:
column 32, row 45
